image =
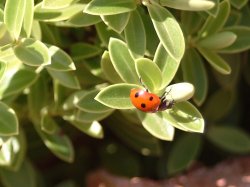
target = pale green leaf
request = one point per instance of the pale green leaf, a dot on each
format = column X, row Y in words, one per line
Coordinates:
column 8, row 121
column 168, row 31
column 60, row 61
column 2, row 68
column 156, row 125
column 108, row 69
column 150, row 74
column 32, row 52
column 122, row 60
column 56, row 4
column 81, row 19
column 218, row 40
column 80, row 51
column 18, row 82
column 72, row 100
column 28, row 19
column 13, row 16
column 167, row 65
column 117, row 22
column 55, row 15
column 65, row 78
column 97, row 7
column 238, row 3
column 87, row 103
column 116, row 96
column 93, row 129
column 186, row 117
column 87, row 117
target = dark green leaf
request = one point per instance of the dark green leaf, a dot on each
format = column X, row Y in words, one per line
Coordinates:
column 188, row 145
column 135, row 35
column 194, row 72
column 229, row 138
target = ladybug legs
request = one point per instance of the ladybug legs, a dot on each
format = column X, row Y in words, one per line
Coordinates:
column 165, row 104
column 143, row 84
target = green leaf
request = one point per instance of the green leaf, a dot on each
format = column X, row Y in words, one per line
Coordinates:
column 8, row 121
column 167, row 65
column 219, row 104
column 105, row 33
column 19, row 81
column 36, row 31
column 186, row 117
column 70, row 102
column 93, row 129
column 48, row 124
column 214, row 11
column 117, row 22
column 25, row 176
column 134, row 136
column 191, row 5
column 56, row 4
column 81, row 19
column 217, row 62
column 194, row 72
column 218, row 40
column 214, row 24
column 191, row 22
column 156, row 125
column 135, row 35
column 242, row 42
column 87, row 117
column 229, row 138
column 2, row 68
column 38, row 90
column 122, row 60
column 108, row 69
column 238, row 3
column 59, row 144
column 188, row 145
column 87, row 103
column 152, row 39
column 65, row 78
column 80, row 51
column 110, row 7
column 54, row 15
column 116, row 96
column 168, row 31
column 60, row 61
column 150, row 73
column 13, row 16
column 28, row 19
column 32, row 52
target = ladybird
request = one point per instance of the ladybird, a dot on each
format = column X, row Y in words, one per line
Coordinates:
column 149, row 102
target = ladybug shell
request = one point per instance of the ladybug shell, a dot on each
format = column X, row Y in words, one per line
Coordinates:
column 144, row 101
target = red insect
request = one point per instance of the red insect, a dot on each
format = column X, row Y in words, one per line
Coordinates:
column 149, row 102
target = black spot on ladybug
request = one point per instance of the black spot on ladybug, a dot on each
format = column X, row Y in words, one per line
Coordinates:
column 151, row 98
column 143, row 105
column 136, row 94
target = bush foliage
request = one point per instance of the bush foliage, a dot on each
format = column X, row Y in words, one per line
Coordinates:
column 67, row 68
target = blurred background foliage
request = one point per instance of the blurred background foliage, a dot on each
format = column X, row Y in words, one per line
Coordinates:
column 57, row 55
